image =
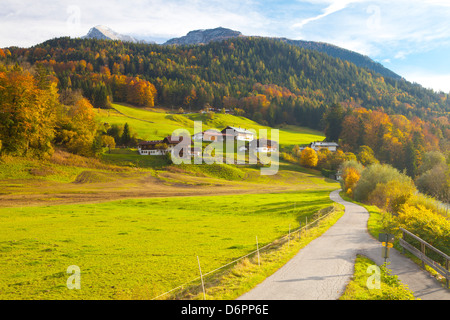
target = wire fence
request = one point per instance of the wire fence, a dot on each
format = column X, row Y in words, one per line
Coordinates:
column 195, row 286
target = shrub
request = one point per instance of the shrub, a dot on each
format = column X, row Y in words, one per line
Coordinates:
column 392, row 195
column 376, row 174
column 434, row 182
column 430, row 160
column 426, row 224
column 352, row 164
column 425, row 201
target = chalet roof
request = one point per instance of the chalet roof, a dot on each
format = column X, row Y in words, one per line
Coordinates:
column 264, row 142
column 174, row 140
column 149, row 143
column 238, row 129
column 325, row 144
column 213, row 132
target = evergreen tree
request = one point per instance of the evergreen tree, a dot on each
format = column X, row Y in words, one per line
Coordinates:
column 333, row 122
column 126, row 135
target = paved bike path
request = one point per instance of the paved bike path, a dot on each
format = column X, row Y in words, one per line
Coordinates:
column 322, row 269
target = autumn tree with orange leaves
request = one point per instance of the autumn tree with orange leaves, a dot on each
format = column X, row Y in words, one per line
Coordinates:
column 27, row 111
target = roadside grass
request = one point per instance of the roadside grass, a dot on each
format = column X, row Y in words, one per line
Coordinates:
column 366, row 285
column 140, row 247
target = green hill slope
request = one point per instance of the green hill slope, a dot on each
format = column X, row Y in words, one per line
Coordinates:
column 156, row 124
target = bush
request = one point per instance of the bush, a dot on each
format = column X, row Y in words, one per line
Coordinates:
column 352, row 164
column 376, row 174
column 430, row 160
column 425, row 201
column 434, row 182
column 392, row 195
column 426, row 224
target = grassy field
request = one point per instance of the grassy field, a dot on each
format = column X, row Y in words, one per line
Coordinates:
column 155, row 124
column 141, row 247
column 60, row 212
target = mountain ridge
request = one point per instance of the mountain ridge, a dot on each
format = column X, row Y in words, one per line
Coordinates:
column 105, row 33
column 205, row 36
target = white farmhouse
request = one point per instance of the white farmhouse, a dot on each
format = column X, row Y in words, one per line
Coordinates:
column 239, row 133
column 318, row 145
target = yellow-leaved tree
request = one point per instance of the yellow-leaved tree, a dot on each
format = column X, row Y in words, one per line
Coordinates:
column 308, row 158
column 350, row 177
column 27, row 111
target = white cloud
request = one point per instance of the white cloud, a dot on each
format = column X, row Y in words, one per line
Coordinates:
column 379, row 27
column 400, row 55
column 26, row 23
column 437, row 82
column 387, row 31
column 331, row 7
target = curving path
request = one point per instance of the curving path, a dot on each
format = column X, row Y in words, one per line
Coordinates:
column 322, row 269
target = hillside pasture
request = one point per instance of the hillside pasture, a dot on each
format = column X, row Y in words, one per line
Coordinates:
column 156, row 124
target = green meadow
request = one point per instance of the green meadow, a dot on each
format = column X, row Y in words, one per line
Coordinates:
column 138, row 248
column 156, row 124
column 142, row 247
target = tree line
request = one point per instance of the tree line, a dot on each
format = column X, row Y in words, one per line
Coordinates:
column 392, row 139
column 271, row 81
column 35, row 117
column 265, row 80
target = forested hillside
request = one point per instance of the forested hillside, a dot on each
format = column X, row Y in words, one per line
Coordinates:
column 268, row 79
column 263, row 79
column 344, row 54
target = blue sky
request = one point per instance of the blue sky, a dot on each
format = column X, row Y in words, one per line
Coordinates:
column 411, row 37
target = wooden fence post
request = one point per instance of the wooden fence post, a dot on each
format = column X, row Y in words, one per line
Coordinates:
column 422, row 249
column 257, row 249
column 201, row 277
column 404, row 238
column 289, row 239
column 447, row 265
